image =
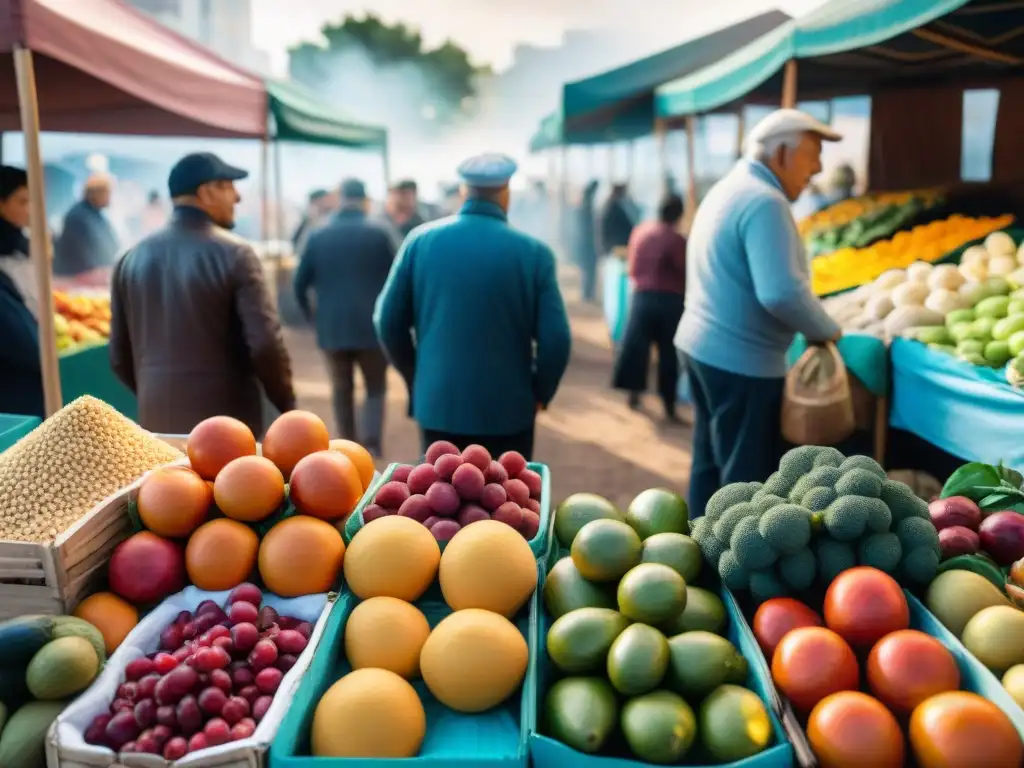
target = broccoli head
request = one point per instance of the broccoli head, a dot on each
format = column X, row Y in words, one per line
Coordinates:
column 821, row 477
column 786, row 528
column 733, row 575
column 919, row 566
column 859, row 482
column 763, row 503
column 711, row 548
column 726, row 497
column 881, row 551
column 915, row 533
column 727, row 522
column 798, row 462
column 903, row 502
column 833, row 557
column 879, row 516
column 863, row 462
column 698, row 528
column 846, row 518
column 818, row 499
column 775, row 485
column 749, row 547
column 829, row 457
column 798, row 569
column 764, row 585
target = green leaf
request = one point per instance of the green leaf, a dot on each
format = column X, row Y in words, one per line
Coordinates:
column 995, row 501
column 970, row 477
column 1012, row 476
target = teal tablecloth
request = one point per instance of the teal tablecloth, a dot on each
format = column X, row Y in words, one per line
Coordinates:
column 87, row 372
column 865, row 356
column 615, row 293
column 14, row 427
column 968, row 411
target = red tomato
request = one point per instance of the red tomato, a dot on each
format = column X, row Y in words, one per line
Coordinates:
column 776, row 617
column 863, row 605
column 811, row 663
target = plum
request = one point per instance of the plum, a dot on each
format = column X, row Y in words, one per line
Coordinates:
column 416, row 507
column 290, row 641
column 472, row 513
column 517, row 491
column 954, row 511
column 492, row 496
column 438, row 449
column 246, row 593
column 242, row 611
column 468, row 482
column 443, row 499
column 421, row 478
column 392, row 494
column 212, row 700
column 96, row 733
column 531, row 524
column 495, row 473
column 445, row 530
column 268, row 680
column 189, row 716
column 139, row 668
column 244, row 636
column 372, row 511
column 446, row 466
column 477, row 455
column 235, row 710
column 509, row 513
column 532, row 481
column 260, row 707
column 958, row 540
column 401, row 473
column 121, row 729
column 513, row 462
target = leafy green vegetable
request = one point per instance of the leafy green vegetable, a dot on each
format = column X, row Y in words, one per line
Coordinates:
column 972, row 480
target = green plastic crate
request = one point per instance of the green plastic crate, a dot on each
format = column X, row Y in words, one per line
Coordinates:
column 14, row 427
column 539, row 543
column 494, row 739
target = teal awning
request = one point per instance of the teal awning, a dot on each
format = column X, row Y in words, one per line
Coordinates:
column 552, row 133
column 299, row 116
column 846, row 47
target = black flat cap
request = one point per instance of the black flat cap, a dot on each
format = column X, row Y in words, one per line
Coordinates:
column 194, row 170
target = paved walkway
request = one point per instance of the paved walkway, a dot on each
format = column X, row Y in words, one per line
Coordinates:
column 588, row 437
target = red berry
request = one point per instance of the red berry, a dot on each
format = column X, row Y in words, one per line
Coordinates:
column 250, row 693
column 247, row 612
column 122, row 705
column 235, row 710
column 96, row 733
column 164, row 663
column 183, row 654
column 183, row 618
column 268, row 617
column 212, row 700
column 290, row 641
column 246, row 593
column 161, row 733
column 175, row 749
column 127, row 691
column 145, row 713
column 217, row 732
column 225, row 644
column 263, row 655
column 190, row 717
column 242, row 676
column 221, row 679
column 268, row 680
column 285, row 662
column 147, row 686
column 260, row 707
column 243, row 730
column 165, row 716
column 209, row 659
column 196, row 743
column 146, row 744
column 244, row 636
column 305, row 629
column 138, row 669
column 122, row 729
column 172, row 637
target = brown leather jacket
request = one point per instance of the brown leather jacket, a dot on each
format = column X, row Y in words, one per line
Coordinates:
column 193, row 330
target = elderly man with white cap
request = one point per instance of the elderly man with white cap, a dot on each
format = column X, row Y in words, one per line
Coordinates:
column 747, row 294
column 473, row 319
column 87, row 240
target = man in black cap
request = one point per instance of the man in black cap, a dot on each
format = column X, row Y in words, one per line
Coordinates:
column 345, row 265
column 402, row 207
column 193, row 331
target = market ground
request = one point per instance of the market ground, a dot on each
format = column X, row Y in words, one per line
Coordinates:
column 588, row 437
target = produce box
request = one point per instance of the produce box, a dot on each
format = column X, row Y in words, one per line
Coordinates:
column 493, row 739
column 539, row 543
column 13, row 428
column 66, row 747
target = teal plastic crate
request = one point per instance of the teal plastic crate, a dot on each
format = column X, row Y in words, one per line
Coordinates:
column 539, row 543
column 494, row 739
column 14, row 427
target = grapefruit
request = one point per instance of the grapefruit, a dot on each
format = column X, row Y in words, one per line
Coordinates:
column 325, row 484
column 775, row 617
column 173, row 501
column 392, row 556
column 811, row 663
column 863, row 605
column 852, row 730
column 221, row 554
column 293, row 435
column 907, row 667
column 960, row 728
column 359, row 456
column 113, row 617
column 215, row 441
column 249, row 489
column 301, row 555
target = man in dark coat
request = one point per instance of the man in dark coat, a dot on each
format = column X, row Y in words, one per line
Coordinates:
column 193, row 331
column 87, row 240
column 585, row 242
column 473, row 319
column 345, row 265
column 617, row 220
column 402, row 208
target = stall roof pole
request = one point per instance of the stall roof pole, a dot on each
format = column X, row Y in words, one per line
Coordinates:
column 661, row 136
column 265, row 190
column 691, row 170
column 789, row 85
column 39, row 240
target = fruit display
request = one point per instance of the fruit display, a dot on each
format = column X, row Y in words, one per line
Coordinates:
column 45, row 661
column 206, row 678
column 429, row 631
column 818, row 515
column 454, row 488
column 643, row 663
column 80, row 320
column 871, row 688
column 852, row 267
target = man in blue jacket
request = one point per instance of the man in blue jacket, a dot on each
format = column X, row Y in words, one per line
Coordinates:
column 472, row 318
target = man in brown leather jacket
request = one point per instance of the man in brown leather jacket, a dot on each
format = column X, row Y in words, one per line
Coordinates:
column 193, row 330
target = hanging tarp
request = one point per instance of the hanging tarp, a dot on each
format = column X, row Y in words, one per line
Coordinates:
column 299, row 116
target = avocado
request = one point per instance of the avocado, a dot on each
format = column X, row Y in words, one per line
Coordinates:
column 578, row 510
column 604, row 550
column 651, row 593
column 704, row 610
column 579, row 641
column 734, row 724
column 581, row 712
column 637, row 660
column 566, row 590
column 700, row 661
column 676, row 550
column 658, row 510
column 659, row 727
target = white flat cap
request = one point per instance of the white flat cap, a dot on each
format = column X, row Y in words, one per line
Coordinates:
column 786, row 121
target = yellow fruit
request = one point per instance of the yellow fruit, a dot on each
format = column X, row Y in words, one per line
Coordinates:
column 386, row 633
column 474, row 660
column 488, row 565
column 369, row 713
column 392, row 556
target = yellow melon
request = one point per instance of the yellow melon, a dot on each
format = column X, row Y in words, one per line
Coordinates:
column 488, row 565
column 369, row 713
column 392, row 556
column 474, row 660
column 386, row 633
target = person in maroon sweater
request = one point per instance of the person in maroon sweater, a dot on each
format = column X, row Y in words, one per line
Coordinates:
column 657, row 269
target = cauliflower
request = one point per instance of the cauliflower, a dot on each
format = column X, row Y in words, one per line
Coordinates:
column 892, row 278
column 879, row 306
column 943, row 301
column 918, row 272
column 974, row 273
column 945, row 276
column 910, row 294
column 1000, row 244
column 976, row 254
column 999, row 266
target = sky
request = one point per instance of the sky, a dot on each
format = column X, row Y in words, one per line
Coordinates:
column 490, row 29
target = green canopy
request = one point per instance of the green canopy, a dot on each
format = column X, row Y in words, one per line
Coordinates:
column 847, row 47
column 299, row 116
column 551, row 133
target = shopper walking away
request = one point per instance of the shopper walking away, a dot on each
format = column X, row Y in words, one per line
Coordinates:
column 193, row 331
column 616, row 220
column 657, row 269
column 586, row 242
column 473, row 319
column 87, row 239
column 21, row 385
column 747, row 294
column 319, row 209
column 345, row 265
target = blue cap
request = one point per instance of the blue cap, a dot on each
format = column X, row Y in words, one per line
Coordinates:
column 353, row 189
column 194, row 170
column 489, row 171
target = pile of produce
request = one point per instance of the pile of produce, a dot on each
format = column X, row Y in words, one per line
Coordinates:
column 454, row 488
column 852, row 267
column 211, row 681
column 909, row 677
column 471, row 661
column 46, row 661
column 820, row 514
column 80, row 320
column 859, row 221
column 233, row 512
column 56, row 474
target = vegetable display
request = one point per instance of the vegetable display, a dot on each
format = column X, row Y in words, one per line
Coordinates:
column 80, row 320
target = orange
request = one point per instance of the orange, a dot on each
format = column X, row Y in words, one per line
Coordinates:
column 173, row 501
column 960, row 728
column 113, row 617
column 811, row 663
column 250, row 489
column 221, row 554
column 359, row 456
column 325, row 484
column 907, row 667
column 292, row 436
column 215, row 441
column 301, row 555
column 852, row 730
column 863, row 605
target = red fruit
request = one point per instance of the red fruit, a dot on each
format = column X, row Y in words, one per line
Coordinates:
column 513, row 462
column 510, row 514
column 495, row 473
column 242, row 676
column 183, row 618
column 244, row 636
column 263, row 655
column 122, row 705
column 127, row 691
column 161, row 733
column 145, row 713
column 268, row 617
column 218, row 632
column 175, row 684
column 175, row 749
column 517, row 491
column 477, row 455
column 416, row 507
column 197, row 742
column 217, row 732
column 471, row 513
column 260, row 707
column 438, row 449
column 444, row 529
column 207, row 621
column 287, row 622
column 443, row 499
column 146, row 744
column 165, row 716
column 138, row 669
column 209, row 659
column 183, row 654
column 421, row 478
column 285, row 662
column 235, row 710
column 225, row 644
column 243, row 730
column 172, row 637
column 446, row 466
column 243, row 612
column 190, row 717
column 533, row 505
column 270, row 632
column 531, row 524
column 221, row 679
column 492, row 496
column 246, row 593
column 532, row 481
column 147, row 686
column 268, row 680
column 373, row 511
column 212, row 700
column 811, row 663
column 401, row 473
column 164, row 663
column 392, row 494
column 290, row 641
column 468, row 481
column 121, row 729
column 305, row 629
column 96, row 733
column 189, row 630
column 775, row 617
column 208, row 606
column 129, row 748
column 146, row 568
column 906, row 667
column 850, row 729
column 250, row 693
column 863, row 605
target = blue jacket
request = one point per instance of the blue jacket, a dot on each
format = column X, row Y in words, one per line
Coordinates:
column 345, row 263
column 21, row 384
column 473, row 319
column 87, row 241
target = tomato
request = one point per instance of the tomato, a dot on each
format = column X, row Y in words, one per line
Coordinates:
column 852, row 730
column 811, row 663
column 778, row 616
column 907, row 667
column 958, row 728
column 863, row 605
